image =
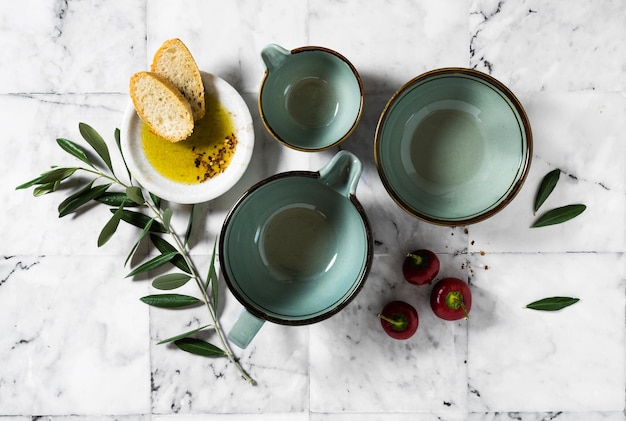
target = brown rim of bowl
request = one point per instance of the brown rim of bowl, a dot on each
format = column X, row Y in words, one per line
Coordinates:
column 265, row 316
column 525, row 165
column 354, row 124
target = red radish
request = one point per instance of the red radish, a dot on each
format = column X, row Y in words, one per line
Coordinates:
column 399, row 319
column 451, row 299
column 420, row 267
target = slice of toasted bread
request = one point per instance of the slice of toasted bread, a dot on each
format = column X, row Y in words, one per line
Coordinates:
column 161, row 106
column 174, row 62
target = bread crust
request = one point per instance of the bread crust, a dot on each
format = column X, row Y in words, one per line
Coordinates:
column 174, row 61
column 161, row 106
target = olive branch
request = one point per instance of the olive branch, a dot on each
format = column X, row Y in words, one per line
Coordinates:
column 154, row 222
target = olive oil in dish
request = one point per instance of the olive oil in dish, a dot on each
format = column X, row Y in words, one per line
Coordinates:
column 200, row 157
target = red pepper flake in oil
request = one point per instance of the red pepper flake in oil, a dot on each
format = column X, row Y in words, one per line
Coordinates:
column 218, row 160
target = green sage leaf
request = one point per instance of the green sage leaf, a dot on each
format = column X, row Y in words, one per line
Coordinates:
column 97, row 143
column 164, row 247
column 170, row 281
column 183, row 335
column 83, row 196
column 199, row 347
column 153, row 263
column 140, row 220
column 75, row 150
column 167, row 218
column 559, row 215
column 135, row 194
column 546, row 187
column 552, row 303
column 170, row 300
column 144, row 231
column 115, row 199
column 110, row 227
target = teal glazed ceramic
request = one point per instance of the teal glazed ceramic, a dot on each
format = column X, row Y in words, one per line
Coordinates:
column 453, row 146
column 311, row 98
column 297, row 247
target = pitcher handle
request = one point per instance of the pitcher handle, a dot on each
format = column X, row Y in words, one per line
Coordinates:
column 245, row 329
column 342, row 173
column 274, row 56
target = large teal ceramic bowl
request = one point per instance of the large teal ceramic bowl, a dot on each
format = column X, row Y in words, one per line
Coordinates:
column 453, row 146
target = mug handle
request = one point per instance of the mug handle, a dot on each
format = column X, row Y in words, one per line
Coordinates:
column 245, row 329
column 273, row 56
column 342, row 173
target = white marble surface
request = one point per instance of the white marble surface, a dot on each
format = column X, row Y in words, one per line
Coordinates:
column 77, row 344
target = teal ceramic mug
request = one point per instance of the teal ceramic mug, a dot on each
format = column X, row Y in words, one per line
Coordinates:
column 297, row 247
column 311, row 98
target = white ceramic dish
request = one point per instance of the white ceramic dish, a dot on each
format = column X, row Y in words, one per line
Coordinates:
column 153, row 181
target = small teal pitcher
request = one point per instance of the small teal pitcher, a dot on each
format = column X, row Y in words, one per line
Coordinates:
column 311, row 98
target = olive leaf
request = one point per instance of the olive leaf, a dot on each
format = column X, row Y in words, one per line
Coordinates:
column 199, row 347
column 46, row 188
column 170, row 281
column 167, row 218
column 559, row 215
column 81, row 197
column 164, row 247
column 54, row 175
column 140, row 220
column 144, row 231
column 97, row 143
column 57, row 174
column 153, row 263
column 118, row 142
column 135, row 194
column 156, row 200
column 189, row 224
column 183, row 335
column 75, row 150
column 30, row 183
column 110, row 227
column 115, row 199
column 86, row 188
column 170, row 300
column 117, row 137
column 212, row 277
column 552, row 303
column 546, row 187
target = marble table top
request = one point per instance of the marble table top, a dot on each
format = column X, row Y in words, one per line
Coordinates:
column 77, row 343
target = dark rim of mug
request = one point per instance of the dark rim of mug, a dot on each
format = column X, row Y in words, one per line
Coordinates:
column 258, row 312
column 524, row 166
column 354, row 124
